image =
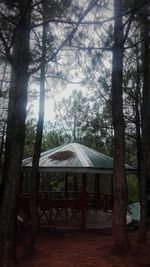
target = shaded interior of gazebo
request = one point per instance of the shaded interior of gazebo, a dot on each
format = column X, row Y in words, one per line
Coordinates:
column 86, row 187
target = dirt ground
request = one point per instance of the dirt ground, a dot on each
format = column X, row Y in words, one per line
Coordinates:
column 62, row 248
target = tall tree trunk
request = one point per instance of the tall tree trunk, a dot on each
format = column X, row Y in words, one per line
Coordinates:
column 34, row 185
column 15, row 135
column 2, row 132
column 120, row 240
column 137, row 109
column 145, row 153
column 1, row 164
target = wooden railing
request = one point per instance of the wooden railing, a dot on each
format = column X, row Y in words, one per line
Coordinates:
column 64, row 211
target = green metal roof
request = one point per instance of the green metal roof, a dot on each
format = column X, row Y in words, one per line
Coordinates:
column 74, row 157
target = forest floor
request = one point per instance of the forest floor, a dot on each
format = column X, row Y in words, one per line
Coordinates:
column 70, row 248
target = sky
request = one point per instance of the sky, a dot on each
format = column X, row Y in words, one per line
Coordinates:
column 50, row 101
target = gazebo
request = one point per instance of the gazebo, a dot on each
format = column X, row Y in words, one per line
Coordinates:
column 69, row 208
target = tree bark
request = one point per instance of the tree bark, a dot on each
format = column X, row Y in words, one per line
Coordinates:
column 15, row 135
column 145, row 153
column 37, row 148
column 120, row 239
column 137, row 107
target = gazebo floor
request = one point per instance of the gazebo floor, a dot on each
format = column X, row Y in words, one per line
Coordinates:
column 99, row 219
column 95, row 219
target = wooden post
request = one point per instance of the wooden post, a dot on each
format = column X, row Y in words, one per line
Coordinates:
column 66, row 196
column 97, row 189
column 66, row 185
column 112, row 192
column 112, row 185
column 75, row 185
column 21, row 183
column 84, row 201
column 39, row 182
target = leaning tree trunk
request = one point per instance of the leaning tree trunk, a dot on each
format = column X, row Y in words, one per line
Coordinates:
column 145, row 153
column 120, row 240
column 34, row 184
column 15, row 136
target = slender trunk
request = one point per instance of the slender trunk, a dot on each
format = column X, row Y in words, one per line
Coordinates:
column 137, row 108
column 2, row 122
column 1, row 166
column 120, row 240
column 37, row 148
column 145, row 153
column 15, row 136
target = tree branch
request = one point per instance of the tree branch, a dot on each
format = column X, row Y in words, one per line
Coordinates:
column 69, row 37
column 7, row 49
column 89, row 48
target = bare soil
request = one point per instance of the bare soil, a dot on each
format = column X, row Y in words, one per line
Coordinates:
column 70, row 248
